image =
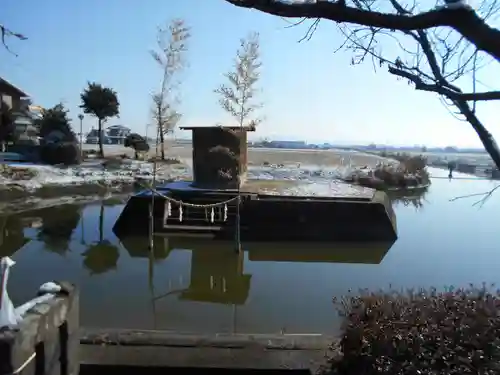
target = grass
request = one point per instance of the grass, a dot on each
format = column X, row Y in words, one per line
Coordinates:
column 420, row 332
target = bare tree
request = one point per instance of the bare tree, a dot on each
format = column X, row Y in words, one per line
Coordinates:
column 170, row 56
column 238, row 97
column 440, row 50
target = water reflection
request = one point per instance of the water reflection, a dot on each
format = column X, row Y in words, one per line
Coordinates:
column 100, row 256
column 415, row 199
column 54, row 228
column 202, row 286
column 12, row 236
column 57, row 226
column 217, row 273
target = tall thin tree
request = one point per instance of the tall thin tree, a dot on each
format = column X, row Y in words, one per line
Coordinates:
column 171, row 57
column 237, row 97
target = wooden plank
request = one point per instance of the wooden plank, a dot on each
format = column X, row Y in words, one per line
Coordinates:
column 193, row 227
column 309, row 360
column 221, row 340
column 170, row 349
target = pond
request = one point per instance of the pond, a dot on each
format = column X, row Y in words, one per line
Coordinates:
column 196, row 286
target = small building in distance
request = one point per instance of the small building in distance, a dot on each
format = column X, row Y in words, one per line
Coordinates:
column 113, row 135
column 93, row 137
column 288, row 144
column 116, row 134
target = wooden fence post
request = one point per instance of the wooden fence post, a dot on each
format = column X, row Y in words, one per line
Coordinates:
column 46, row 342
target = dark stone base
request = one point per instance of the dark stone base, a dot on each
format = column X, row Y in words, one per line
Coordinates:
column 263, row 217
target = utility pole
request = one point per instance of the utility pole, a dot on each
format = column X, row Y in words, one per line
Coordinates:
column 80, row 116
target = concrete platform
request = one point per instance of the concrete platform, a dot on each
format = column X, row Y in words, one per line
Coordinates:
column 286, row 213
column 147, row 349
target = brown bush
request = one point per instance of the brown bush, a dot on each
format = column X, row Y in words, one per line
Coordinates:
column 411, row 163
column 424, row 332
column 16, row 173
column 225, row 161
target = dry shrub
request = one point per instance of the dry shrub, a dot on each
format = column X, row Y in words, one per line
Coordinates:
column 66, row 153
column 412, row 164
column 420, row 333
column 17, row 173
column 410, row 172
column 225, row 161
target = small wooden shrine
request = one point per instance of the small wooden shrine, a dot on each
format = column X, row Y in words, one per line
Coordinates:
column 219, row 156
column 220, row 203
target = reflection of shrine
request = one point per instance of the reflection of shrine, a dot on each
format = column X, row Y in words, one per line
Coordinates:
column 137, row 247
column 217, row 276
column 217, row 271
column 11, row 235
column 348, row 252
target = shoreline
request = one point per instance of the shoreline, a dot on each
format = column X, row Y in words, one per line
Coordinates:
column 85, row 180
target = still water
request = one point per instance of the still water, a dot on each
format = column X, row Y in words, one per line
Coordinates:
column 205, row 287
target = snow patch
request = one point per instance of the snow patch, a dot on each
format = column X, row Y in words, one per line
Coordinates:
column 94, row 173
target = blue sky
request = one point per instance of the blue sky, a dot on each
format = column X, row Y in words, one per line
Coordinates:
column 309, row 92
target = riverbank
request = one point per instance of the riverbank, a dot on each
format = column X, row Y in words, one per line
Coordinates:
column 19, row 180
column 118, row 174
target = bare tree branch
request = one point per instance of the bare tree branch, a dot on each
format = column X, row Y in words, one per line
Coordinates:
column 427, row 49
column 449, row 93
column 484, row 197
column 464, row 20
column 5, row 33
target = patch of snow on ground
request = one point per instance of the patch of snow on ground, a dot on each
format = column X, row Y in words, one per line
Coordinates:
column 93, row 173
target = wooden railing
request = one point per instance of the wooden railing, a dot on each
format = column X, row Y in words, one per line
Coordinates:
column 46, row 341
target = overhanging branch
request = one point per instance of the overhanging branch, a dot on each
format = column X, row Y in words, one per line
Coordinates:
column 464, row 21
column 439, row 89
column 5, row 33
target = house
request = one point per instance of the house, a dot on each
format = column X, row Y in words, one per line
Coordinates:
column 114, row 134
column 16, row 101
column 12, row 97
column 93, row 137
column 117, row 134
